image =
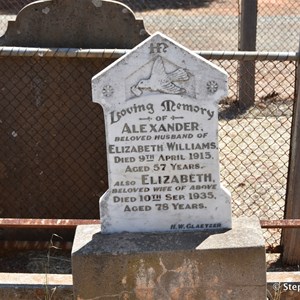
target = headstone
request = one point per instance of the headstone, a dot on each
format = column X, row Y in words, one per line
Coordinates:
column 75, row 24
column 161, row 114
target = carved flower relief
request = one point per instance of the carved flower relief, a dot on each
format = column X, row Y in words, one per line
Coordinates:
column 107, row 90
column 212, row 86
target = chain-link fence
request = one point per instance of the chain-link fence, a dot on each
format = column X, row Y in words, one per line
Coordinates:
column 214, row 25
column 205, row 24
column 53, row 159
column 255, row 145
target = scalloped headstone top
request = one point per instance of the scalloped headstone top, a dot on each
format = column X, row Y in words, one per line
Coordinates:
column 75, row 24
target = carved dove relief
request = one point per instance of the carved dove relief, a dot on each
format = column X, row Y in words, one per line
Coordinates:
column 161, row 81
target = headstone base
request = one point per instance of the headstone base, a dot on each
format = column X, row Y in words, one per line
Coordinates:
column 159, row 266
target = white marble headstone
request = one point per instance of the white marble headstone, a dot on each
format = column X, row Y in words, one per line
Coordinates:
column 161, row 115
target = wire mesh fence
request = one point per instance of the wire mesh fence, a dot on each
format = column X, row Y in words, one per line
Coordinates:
column 254, row 145
column 277, row 25
column 205, row 24
column 53, row 159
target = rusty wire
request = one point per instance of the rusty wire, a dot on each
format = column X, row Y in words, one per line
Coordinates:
column 117, row 53
column 73, row 223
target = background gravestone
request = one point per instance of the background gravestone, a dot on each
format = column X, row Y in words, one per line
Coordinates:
column 75, row 24
column 53, row 159
column 161, row 112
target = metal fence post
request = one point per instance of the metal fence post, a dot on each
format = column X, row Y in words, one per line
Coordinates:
column 247, row 42
column 291, row 237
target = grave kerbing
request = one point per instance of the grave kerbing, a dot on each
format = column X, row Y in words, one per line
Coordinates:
column 161, row 116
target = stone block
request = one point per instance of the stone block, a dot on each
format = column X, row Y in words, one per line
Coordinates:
column 189, row 265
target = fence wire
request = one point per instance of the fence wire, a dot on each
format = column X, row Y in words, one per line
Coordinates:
column 205, row 24
column 255, row 144
column 214, row 25
column 53, row 158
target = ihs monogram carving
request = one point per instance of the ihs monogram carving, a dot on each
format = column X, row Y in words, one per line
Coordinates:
column 161, row 81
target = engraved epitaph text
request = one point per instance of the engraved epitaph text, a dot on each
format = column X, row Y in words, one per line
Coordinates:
column 161, row 115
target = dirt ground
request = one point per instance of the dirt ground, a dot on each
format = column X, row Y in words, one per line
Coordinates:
column 36, row 261
column 59, row 262
column 254, row 154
